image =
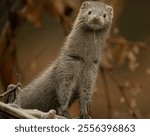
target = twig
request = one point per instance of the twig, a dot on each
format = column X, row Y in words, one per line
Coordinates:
column 10, row 90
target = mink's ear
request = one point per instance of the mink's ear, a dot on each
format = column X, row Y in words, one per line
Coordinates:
column 110, row 10
column 85, row 4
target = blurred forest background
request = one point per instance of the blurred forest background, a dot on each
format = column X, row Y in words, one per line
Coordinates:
column 33, row 31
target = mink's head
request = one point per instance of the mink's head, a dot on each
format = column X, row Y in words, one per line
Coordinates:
column 95, row 15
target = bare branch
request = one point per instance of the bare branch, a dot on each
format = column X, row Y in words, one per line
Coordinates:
column 10, row 90
column 11, row 94
column 12, row 111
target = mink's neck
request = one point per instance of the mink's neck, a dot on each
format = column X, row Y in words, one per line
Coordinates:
column 85, row 42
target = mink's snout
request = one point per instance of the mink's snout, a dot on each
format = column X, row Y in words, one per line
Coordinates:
column 97, row 20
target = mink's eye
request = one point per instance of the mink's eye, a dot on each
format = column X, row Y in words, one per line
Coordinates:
column 89, row 12
column 104, row 15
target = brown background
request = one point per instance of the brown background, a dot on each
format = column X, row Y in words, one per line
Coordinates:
column 38, row 47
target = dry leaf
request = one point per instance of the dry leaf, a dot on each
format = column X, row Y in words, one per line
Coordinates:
column 122, row 99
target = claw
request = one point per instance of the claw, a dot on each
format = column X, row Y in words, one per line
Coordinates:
column 65, row 114
column 85, row 116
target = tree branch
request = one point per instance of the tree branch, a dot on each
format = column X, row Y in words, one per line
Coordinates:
column 13, row 111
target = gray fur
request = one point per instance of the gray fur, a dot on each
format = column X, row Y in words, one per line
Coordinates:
column 73, row 74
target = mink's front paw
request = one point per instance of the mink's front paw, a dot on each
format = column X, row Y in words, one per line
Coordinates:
column 85, row 116
column 65, row 114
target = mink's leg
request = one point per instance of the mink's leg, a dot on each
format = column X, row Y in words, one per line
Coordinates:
column 84, row 100
column 86, row 91
column 66, row 91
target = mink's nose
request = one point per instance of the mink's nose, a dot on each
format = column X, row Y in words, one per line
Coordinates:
column 96, row 20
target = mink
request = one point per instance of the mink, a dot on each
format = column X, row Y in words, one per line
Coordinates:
column 73, row 74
